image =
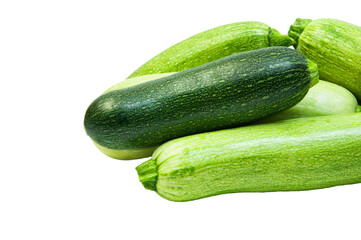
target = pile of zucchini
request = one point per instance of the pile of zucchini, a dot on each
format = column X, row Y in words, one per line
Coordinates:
column 237, row 109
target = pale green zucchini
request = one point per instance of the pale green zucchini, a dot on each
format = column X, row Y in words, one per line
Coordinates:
column 290, row 155
column 136, row 80
column 335, row 46
column 213, row 44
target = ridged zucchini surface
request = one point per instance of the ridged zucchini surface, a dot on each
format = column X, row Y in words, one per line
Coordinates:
column 335, row 46
column 213, row 44
column 229, row 92
column 291, row 155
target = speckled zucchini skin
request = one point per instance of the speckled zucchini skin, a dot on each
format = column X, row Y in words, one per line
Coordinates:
column 225, row 93
column 325, row 98
column 213, row 44
column 335, row 46
column 291, row 155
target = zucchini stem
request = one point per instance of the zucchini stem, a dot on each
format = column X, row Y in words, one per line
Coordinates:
column 312, row 67
column 148, row 174
column 297, row 28
column 358, row 108
column 275, row 38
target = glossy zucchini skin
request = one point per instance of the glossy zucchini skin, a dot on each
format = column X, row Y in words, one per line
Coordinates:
column 291, row 155
column 225, row 93
column 335, row 46
column 323, row 99
column 213, row 44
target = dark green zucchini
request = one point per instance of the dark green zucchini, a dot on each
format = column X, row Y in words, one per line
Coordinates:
column 239, row 89
column 325, row 98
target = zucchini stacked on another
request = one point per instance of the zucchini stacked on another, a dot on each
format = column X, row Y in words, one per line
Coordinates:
column 229, row 92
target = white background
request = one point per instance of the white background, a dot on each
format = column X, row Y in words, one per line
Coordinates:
column 58, row 56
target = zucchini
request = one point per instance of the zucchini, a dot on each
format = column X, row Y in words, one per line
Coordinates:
column 136, row 80
column 291, row 155
column 213, row 44
column 335, row 46
column 228, row 92
column 358, row 108
column 325, row 98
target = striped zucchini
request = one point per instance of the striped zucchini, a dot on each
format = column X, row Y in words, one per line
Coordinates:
column 137, row 80
column 242, row 88
column 335, row 46
column 290, row 155
column 213, row 44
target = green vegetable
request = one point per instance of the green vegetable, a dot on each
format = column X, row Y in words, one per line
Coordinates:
column 358, row 108
column 335, row 46
column 242, row 88
column 290, row 155
column 137, row 80
column 325, row 98
column 212, row 45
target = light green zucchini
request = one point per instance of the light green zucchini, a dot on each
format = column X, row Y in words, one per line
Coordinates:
column 335, row 46
column 213, row 44
column 290, row 155
column 236, row 90
column 136, row 80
